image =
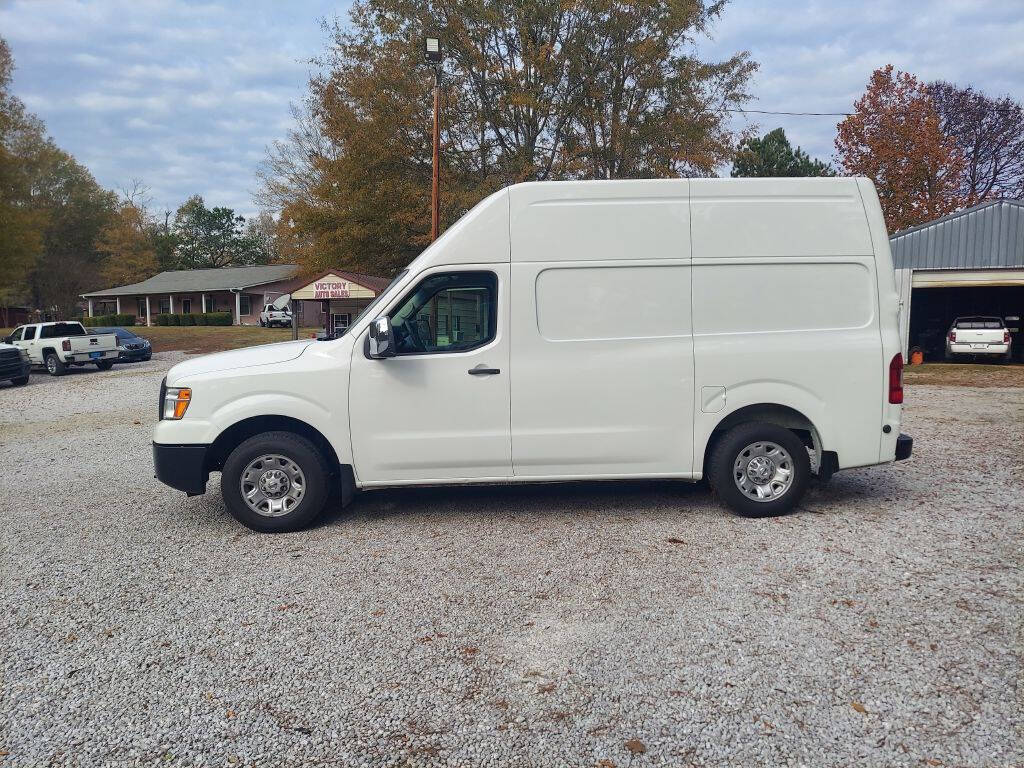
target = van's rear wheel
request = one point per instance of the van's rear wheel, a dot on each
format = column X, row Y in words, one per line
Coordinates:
column 759, row 470
column 275, row 482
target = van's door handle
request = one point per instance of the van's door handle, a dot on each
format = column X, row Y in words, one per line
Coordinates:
column 480, row 370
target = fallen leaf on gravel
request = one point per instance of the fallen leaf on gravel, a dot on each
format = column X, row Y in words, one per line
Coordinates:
column 636, row 746
column 136, row 421
column 231, row 713
column 605, row 764
column 469, row 650
column 674, row 540
column 546, row 688
column 859, row 707
column 933, row 761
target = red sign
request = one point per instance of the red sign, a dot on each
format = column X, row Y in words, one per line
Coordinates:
column 330, row 291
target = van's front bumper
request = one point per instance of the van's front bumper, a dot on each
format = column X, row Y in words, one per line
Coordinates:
column 904, row 446
column 182, row 467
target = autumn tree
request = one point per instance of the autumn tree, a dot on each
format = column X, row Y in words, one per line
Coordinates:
column 127, row 244
column 21, row 224
column 989, row 133
column 895, row 138
column 533, row 90
column 773, row 155
column 51, row 211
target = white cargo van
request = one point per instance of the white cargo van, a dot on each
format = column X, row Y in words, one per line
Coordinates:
column 743, row 329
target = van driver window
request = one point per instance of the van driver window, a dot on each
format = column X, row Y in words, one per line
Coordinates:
column 450, row 312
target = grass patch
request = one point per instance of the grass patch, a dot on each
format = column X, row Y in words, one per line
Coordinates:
column 960, row 375
column 201, row 339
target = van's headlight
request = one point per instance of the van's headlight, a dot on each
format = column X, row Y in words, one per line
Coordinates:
column 176, row 402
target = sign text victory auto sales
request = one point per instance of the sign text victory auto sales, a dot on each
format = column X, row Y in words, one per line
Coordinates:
column 330, row 291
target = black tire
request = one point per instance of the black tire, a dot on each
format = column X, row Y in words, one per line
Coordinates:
column 105, row 365
column 54, row 365
column 262, row 324
column 297, row 449
column 20, row 381
column 727, row 450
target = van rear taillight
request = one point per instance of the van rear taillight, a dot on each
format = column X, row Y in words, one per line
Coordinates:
column 952, row 336
column 66, row 345
column 1006, row 337
column 896, row 379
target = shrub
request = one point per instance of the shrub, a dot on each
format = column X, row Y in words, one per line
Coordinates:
column 218, row 318
column 201, row 318
column 174, row 319
column 97, row 321
column 124, row 319
column 161, row 319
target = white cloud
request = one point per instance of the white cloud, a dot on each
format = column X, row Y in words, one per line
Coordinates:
column 817, row 56
column 186, row 94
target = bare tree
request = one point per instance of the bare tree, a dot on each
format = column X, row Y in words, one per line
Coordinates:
column 990, row 135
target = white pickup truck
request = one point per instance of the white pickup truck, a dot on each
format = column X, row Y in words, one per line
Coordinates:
column 58, row 345
column 987, row 336
column 275, row 315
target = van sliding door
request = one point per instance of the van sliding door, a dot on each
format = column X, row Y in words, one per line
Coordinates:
column 602, row 353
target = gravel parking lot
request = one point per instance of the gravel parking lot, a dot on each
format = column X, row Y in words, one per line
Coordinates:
column 595, row 625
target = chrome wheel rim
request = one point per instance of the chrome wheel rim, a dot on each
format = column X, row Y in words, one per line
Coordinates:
column 272, row 485
column 763, row 471
column 51, row 364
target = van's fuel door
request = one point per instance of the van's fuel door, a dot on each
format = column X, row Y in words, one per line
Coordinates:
column 712, row 399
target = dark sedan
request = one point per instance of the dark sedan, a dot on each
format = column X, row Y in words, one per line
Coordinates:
column 130, row 348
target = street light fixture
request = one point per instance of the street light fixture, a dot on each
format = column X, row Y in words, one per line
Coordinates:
column 432, row 54
column 432, row 50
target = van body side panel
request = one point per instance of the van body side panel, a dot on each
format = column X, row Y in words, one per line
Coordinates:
column 602, row 372
column 785, row 307
column 605, row 221
column 891, row 314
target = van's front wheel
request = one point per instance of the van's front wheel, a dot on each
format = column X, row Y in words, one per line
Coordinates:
column 759, row 470
column 275, row 482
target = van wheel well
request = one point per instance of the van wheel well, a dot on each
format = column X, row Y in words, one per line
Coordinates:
column 822, row 461
column 234, row 435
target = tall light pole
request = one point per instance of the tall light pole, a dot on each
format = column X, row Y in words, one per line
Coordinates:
column 432, row 53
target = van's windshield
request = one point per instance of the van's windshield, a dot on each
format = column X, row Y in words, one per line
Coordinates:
column 376, row 300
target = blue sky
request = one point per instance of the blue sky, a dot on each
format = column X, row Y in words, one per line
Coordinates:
column 187, row 95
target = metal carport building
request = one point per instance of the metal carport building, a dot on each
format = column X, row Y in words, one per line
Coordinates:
column 967, row 263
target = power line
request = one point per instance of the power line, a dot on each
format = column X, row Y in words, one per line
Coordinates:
column 799, row 114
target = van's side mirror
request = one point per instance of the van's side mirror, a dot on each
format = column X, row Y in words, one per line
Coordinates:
column 382, row 339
